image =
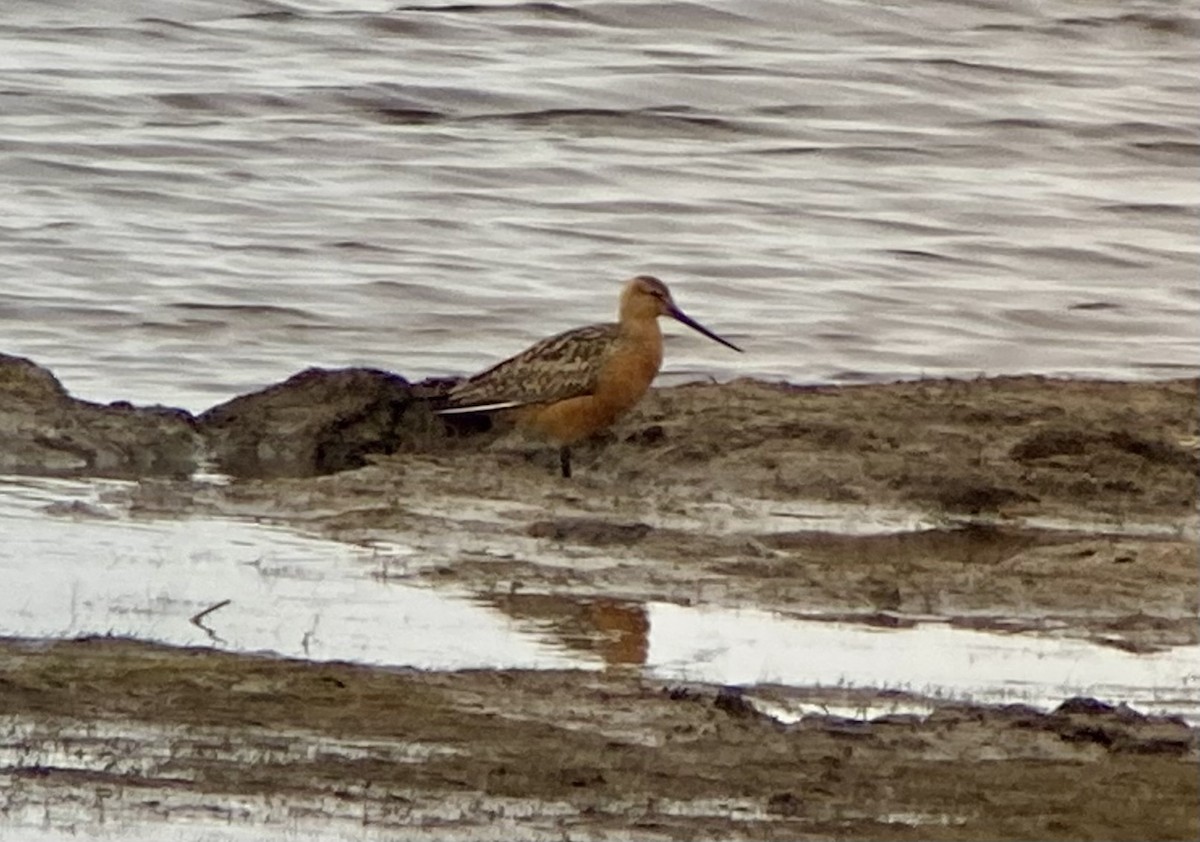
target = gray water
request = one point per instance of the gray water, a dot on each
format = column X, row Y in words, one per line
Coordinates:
column 201, row 197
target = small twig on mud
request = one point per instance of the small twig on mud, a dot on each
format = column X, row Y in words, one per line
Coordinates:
column 216, row 606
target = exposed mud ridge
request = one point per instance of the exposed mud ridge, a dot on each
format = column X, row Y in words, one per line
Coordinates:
column 567, row 755
column 1013, row 443
column 45, row 431
column 1024, row 504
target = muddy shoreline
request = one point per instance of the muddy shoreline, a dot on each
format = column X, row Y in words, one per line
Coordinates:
column 1027, row 502
column 587, row 755
column 1034, row 506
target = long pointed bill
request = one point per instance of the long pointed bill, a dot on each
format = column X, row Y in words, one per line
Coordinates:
column 679, row 316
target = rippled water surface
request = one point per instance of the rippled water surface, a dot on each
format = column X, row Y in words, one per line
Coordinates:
column 201, row 197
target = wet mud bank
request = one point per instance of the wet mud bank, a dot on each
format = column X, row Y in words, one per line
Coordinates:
column 189, row 733
column 1016, row 503
column 1024, row 508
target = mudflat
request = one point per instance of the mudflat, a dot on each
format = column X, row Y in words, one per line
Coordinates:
column 1029, row 505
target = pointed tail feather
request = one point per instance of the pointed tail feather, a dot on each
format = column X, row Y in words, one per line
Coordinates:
column 483, row 407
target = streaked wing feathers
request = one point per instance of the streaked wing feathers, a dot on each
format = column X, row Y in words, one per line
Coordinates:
column 561, row 367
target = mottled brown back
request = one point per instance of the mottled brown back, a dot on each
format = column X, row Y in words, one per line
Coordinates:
column 561, row 367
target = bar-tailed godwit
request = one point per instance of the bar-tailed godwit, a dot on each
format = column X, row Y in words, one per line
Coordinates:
column 577, row 383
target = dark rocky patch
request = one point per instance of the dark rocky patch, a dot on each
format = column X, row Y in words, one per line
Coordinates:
column 44, row 431
column 315, row 422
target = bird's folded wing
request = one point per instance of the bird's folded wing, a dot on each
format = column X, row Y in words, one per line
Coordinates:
column 561, row 367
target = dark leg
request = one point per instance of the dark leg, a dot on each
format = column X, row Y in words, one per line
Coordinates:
column 564, row 459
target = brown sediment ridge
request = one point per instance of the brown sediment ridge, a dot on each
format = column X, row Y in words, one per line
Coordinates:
column 1020, row 444
column 536, row 755
column 1048, row 503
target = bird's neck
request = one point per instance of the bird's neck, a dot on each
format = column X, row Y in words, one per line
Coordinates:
column 642, row 329
column 642, row 341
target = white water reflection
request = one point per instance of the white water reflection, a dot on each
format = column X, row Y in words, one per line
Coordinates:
column 97, row 571
column 289, row 594
column 933, row 659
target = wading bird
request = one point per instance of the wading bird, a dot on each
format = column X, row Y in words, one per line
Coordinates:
column 567, row 387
